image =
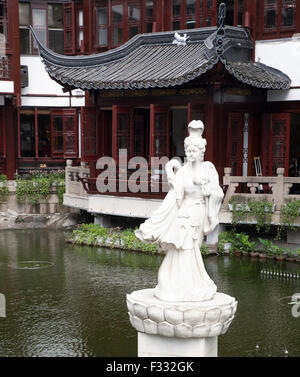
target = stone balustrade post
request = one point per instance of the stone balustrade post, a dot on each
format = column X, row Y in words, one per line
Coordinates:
column 69, row 164
column 278, row 190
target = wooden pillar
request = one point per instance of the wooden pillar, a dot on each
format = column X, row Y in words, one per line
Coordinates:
column 114, row 133
column 14, row 44
column 10, row 139
column 151, row 130
column 88, row 17
column 36, row 133
column 209, row 128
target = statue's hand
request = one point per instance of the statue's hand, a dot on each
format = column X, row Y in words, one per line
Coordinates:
column 178, row 201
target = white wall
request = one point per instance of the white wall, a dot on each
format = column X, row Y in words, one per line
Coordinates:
column 282, row 54
column 51, row 94
column 6, row 86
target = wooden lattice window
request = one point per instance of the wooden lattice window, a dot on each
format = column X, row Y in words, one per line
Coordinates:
column 69, row 28
column 134, row 18
column 57, row 134
column 190, row 14
column 184, row 14
column 279, row 15
column 102, row 19
column 117, row 18
column 149, row 16
column 3, row 21
column 5, row 65
column 240, row 11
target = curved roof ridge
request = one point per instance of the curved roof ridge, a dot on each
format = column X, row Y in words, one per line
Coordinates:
column 153, row 61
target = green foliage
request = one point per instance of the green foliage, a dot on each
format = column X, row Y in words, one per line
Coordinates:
column 274, row 250
column 268, row 247
column 241, row 243
column 3, row 188
column 224, row 237
column 93, row 234
column 37, row 186
column 240, row 211
column 289, row 213
column 204, row 250
column 261, row 211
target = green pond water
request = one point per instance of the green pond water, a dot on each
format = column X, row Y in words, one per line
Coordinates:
column 66, row 300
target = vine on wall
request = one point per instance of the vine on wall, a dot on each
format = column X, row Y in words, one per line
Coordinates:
column 243, row 210
column 3, row 188
column 37, row 186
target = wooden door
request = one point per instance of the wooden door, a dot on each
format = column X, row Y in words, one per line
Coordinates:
column 70, row 133
column 57, row 133
column 275, row 148
column 105, row 133
column 159, row 131
column 235, row 143
column 138, row 135
column 122, row 131
column 89, row 133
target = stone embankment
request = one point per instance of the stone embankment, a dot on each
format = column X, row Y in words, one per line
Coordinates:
column 14, row 220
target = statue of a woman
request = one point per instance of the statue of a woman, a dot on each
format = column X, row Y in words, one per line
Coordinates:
column 188, row 212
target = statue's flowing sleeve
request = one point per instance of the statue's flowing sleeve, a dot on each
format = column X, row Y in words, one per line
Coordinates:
column 155, row 229
column 214, row 201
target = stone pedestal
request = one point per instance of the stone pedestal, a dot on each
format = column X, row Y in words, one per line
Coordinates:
column 179, row 329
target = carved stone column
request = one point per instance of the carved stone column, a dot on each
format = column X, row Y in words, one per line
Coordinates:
column 177, row 329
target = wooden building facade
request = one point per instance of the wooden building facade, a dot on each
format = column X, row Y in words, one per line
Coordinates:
column 146, row 110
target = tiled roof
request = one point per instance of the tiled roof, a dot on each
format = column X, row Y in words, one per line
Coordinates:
column 153, row 61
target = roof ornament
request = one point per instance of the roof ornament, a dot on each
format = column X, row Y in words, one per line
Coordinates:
column 180, row 40
column 221, row 31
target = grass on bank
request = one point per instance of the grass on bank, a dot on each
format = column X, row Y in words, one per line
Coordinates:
column 95, row 235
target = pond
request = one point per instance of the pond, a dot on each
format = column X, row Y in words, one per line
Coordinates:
column 66, row 300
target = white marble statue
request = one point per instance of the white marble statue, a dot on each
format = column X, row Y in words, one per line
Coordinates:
column 188, row 212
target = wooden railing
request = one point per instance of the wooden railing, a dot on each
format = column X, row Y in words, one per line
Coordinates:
column 277, row 190
column 79, row 182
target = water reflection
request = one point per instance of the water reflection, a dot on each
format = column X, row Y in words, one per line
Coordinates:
column 77, row 307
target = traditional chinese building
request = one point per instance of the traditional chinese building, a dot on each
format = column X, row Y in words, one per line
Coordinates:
column 34, row 109
column 142, row 89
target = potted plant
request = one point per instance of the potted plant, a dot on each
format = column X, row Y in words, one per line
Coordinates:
column 204, row 250
column 245, row 245
column 298, row 257
column 242, row 245
column 225, row 242
column 234, row 248
column 291, row 255
column 269, row 248
column 280, row 253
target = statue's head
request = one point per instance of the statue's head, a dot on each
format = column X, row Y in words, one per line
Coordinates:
column 195, row 144
column 196, row 128
column 194, row 148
